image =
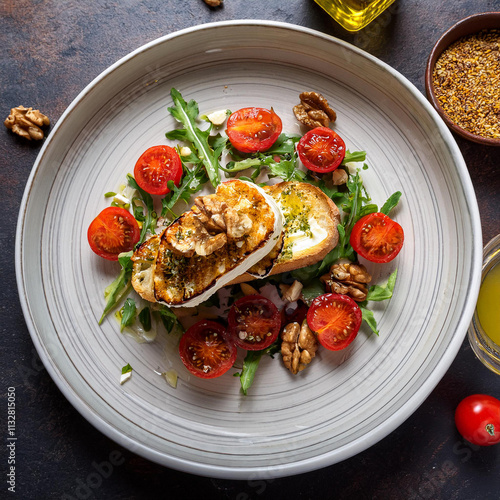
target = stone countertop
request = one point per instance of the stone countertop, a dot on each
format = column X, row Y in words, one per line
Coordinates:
column 50, row 51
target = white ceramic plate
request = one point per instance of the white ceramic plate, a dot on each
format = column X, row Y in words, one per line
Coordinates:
column 344, row 402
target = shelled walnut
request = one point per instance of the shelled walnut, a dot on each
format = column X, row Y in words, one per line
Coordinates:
column 207, row 227
column 299, row 346
column 314, row 110
column 27, row 122
column 349, row 279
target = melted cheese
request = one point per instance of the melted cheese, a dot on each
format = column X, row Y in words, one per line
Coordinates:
column 305, row 240
column 249, row 261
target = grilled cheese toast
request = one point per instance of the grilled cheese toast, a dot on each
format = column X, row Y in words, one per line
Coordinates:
column 310, row 220
column 293, row 225
column 186, row 264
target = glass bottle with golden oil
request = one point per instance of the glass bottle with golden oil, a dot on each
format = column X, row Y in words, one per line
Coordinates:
column 354, row 14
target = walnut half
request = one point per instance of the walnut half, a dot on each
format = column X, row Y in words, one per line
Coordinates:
column 299, row 346
column 26, row 122
column 314, row 110
column 349, row 279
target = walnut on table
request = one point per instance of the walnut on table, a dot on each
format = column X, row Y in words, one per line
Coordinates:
column 349, row 279
column 213, row 3
column 298, row 347
column 314, row 110
column 27, row 122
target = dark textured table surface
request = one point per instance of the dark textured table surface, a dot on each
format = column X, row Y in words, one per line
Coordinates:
column 51, row 49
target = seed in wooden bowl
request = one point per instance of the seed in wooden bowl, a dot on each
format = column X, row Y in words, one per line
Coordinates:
column 466, row 80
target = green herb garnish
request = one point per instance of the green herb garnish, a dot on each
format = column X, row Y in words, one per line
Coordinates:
column 251, row 363
column 128, row 313
column 120, row 287
column 187, row 114
column 148, row 218
column 126, row 373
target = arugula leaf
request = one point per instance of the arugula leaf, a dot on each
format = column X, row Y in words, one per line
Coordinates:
column 169, row 319
column 369, row 318
column 192, row 181
column 251, row 363
column 145, row 318
column 383, row 292
column 286, row 168
column 312, row 290
column 120, row 287
column 377, row 293
column 187, row 114
column 149, row 218
column 128, row 314
column 391, row 202
column 356, row 156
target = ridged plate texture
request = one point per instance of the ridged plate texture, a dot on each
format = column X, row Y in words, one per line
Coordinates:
column 345, row 401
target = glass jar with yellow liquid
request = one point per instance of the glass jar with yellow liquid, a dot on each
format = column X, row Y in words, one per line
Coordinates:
column 484, row 331
column 354, row 14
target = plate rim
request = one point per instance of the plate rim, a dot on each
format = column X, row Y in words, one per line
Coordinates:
column 323, row 460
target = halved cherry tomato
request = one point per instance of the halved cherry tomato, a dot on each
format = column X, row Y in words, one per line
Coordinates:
column 477, row 418
column 377, row 238
column 155, row 167
column 254, row 322
column 321, row 150
column 207, row 350
column 253, row 129
column 336, row 319
column 113, row 231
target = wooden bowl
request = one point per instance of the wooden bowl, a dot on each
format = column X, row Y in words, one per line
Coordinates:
column 468, row 26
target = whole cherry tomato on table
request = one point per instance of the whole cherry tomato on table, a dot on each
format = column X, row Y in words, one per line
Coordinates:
column 254, row 322
column 321, row 150
column 253, row 129
column 207, row 350
column 156, row 167
column 477, row 418
column 336, row 319
column 112, row 232
column 377, row 238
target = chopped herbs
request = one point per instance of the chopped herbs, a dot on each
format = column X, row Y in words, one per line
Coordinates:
column 126, row 374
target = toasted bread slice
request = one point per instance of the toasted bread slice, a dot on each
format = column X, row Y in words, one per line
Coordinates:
column 310, row 220
column 144, row 264
column 189, row 278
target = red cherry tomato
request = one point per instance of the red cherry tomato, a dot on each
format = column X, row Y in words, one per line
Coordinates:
column 113, row 231
column 155, row 167
column 336, row 319
column 321, row 150
column 254, row 322
column 377, row 238
column 207, row 350
column 477, row 418
column 253, row 129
